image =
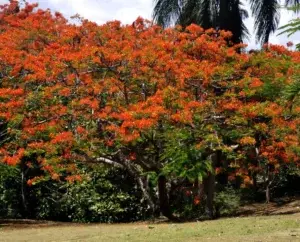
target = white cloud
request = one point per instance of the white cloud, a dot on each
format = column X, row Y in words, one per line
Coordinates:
column 102, row 11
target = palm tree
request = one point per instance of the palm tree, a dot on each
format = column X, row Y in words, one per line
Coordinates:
column 293, row 26
column 222, row 14
column 218, row 14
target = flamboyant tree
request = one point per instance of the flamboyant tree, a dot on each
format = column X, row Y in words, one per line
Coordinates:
column 171, row 103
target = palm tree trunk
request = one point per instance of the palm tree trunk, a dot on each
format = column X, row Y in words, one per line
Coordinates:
column 223, row 15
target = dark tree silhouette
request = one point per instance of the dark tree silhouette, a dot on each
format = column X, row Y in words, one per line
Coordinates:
column 222, row 14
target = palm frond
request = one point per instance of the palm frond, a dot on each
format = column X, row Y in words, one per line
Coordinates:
column 267, row 15
column 218, row 14
column 293, row 4
column 167, row 12
column 291, row 28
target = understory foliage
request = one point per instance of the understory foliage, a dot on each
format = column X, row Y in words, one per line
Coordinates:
column 172, row 109
column 108, row 195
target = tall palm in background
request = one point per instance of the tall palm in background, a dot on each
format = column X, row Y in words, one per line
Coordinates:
column 222, row 14
column 267, row 15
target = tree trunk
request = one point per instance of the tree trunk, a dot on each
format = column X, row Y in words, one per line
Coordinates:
column 164, row 199
column 143, row 184
column 270, row 179
column 223, row 17
column 254, row 178
column 23, row 194
column 209, row 187
column 268, row 194
column 201, row 190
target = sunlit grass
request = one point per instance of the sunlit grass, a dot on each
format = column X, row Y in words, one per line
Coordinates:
column 272, row 228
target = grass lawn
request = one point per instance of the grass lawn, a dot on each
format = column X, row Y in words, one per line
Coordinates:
column 263, row 228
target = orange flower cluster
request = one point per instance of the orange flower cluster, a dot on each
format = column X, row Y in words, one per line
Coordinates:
column 256, row 83
column 14, row 159
column 247, row 141
column 73, row 178
column 63, row 137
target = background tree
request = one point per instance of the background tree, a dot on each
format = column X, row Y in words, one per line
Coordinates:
column 227, row 15
column 293, row 26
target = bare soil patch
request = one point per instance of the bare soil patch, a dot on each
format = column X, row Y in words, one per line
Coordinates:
column 288, row 205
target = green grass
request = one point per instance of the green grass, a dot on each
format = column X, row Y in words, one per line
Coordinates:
column 272, row 228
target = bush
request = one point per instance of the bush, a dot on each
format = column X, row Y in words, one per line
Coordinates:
column 286, row 181
column 9, row 192
column 227, row 202
column 108, row 195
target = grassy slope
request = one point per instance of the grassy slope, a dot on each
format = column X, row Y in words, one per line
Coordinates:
column 273, row 228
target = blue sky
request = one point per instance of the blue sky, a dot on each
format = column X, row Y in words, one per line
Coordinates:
column 127, row 11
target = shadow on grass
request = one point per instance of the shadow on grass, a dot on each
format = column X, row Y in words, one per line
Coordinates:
column 283, row 206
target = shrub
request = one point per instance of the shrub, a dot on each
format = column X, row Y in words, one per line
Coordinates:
column 227, row 202
column 9, row 192
column 107, row 195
